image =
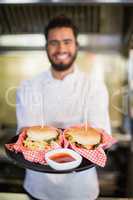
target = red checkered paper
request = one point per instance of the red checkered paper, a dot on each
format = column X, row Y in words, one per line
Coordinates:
column 96, row 155
column 36, row 156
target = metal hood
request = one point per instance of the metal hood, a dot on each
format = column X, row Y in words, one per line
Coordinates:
column 98, row 19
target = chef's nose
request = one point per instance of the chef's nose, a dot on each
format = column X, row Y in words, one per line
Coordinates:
column 61, row 46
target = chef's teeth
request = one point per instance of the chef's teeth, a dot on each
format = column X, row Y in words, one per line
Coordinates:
column 61, row 57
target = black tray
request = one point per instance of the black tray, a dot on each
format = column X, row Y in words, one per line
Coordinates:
column 18, row 159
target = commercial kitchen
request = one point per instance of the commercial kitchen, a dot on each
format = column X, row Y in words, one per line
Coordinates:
column 105, row 48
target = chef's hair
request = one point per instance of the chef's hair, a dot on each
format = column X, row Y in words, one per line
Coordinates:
column 60, row 22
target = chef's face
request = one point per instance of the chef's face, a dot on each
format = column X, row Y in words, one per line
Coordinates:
column 61, row 48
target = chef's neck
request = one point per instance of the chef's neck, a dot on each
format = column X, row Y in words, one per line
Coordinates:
column 60, row 75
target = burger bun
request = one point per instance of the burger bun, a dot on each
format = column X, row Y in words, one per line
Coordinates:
column 91, row 136
column 38, row 133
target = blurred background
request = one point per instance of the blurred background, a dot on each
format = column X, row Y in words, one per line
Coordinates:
column 105, row 50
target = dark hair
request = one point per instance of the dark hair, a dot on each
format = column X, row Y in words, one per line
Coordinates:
column 60, row 21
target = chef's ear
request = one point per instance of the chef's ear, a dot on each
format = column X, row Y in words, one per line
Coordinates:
column 77, row 44
column 46, row 46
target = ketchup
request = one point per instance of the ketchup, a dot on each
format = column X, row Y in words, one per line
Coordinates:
column 62, row 158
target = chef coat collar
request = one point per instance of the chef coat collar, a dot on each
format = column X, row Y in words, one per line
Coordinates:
column 68, row 77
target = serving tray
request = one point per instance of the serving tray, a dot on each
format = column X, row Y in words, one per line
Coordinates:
column 18, row 159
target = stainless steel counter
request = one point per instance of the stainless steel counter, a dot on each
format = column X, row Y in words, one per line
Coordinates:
column 12, row 196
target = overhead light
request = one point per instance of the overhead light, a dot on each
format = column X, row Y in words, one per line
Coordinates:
column 19, row 1
column 23, row 40
column 83, row 39
column 90, row 41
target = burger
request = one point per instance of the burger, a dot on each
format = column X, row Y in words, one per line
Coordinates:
column 40, row 138
column 88, row 138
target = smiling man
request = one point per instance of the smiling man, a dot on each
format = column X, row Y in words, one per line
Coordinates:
column 65, row 97
column 61, row 48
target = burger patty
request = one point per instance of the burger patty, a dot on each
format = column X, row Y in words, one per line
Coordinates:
column 38, row 145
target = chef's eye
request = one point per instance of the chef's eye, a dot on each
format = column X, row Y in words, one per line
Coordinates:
column 53, row 43
column 67, row 42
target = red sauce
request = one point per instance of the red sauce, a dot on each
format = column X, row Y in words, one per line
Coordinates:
column 62, row 158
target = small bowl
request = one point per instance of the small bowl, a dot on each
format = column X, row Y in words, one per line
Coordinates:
column 63, row 159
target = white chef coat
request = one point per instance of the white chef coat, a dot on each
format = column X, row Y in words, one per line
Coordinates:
column 62, row 103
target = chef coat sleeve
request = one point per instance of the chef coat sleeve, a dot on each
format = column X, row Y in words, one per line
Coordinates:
column 24, row 106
